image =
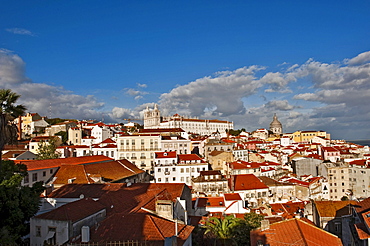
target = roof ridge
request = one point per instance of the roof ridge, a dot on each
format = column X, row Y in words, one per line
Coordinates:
column 125, row 166
column 314, row 226
column 84, row 170
column 155, row 225
column 301, row 232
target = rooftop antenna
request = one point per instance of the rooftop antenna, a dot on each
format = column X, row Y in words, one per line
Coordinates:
column 50, row 111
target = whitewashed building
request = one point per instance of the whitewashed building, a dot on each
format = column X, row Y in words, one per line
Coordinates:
column 173, row 168
column 153, row 119
column 139, row 149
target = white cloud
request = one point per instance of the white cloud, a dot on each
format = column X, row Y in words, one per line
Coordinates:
column 12, row 68
column 219, row 96
column 132, row 92
column 279, row 105
column 142, row 85
column 136, row 94
column 20, row 31
column 122, row 113
column 360, row 59
column 278, row 82
column 39, row 97
column 335, row 98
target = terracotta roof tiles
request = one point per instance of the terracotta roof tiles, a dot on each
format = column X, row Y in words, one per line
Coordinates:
column 247, row 182
column 294, row 232
column 73, row 211
column 52, row 163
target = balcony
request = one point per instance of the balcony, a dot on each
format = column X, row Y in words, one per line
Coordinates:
column 167, row 173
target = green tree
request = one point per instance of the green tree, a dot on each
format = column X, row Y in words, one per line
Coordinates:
column 17, row 203
column 47, row 149
column 8, row 112
column 222, row 229
column 242, row 231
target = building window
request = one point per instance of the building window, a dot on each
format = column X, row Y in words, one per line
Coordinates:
column 34, row 177
column 159, row 180
column 38, row 231
column 159, row 170
column 44, row 173
column 174, row 179
column 26, row 179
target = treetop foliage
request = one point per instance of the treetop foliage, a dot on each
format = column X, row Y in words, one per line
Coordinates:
column 47, row 150
column 18, row 203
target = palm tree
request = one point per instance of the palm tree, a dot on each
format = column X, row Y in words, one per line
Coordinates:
column 222, row 228
column 8, row 112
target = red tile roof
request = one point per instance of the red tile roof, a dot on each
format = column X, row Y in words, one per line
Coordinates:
column 119, row 197
column 109, row 171
column 52, row 163
column 140, row 227
column 363, row 206
column 215, row 202
column 73, row 211
column 362, row 231
column 232, row 196
column 294, row 232
column 330, row 208
column 108, row 140
column 170, row 154
column 189, row 157
column 247, row 182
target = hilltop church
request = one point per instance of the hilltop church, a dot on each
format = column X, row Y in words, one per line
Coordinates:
column 154, row 120
column 275, row 126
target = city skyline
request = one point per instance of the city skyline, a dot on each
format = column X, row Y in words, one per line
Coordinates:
column 307, row 62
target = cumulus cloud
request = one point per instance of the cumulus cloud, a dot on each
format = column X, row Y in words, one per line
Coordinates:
column 219, row 96
column 12, row 68
column 360, row 59
column 333, row 96
column 278, row 82
column 43, row 98
column 122, row 113
column 136, row 94
column 279, row 105
column 20, row 31
column 342, row 91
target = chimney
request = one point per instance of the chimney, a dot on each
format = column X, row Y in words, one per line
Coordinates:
column 85, row 234
column 265, row 224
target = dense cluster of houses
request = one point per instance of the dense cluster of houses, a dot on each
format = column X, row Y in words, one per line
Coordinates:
column 159, row 182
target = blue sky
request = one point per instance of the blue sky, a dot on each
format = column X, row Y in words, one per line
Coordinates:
column 242, row 61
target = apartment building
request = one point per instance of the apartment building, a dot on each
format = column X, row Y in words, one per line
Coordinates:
column 139, row 149
column 348, row 180
column 173, row 168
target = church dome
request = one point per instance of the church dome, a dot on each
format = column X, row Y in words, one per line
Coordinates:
column 276, row 126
